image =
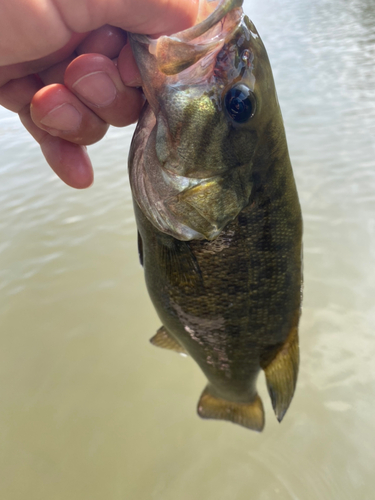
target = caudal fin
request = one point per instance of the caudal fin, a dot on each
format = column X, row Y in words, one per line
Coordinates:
column 250, row 415
column 281, row 375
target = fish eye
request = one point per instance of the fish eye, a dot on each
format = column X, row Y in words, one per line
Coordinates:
column 240, row 103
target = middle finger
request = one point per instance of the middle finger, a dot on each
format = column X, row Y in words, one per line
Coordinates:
column 96, row 81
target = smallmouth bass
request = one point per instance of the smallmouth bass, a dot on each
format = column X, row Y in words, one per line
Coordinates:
column 218, row 217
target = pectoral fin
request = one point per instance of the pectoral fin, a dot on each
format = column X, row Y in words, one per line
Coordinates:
column 281, row 374
column 165, row 340
column 250, row 415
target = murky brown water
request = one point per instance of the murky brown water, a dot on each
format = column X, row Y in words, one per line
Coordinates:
column 89, row 410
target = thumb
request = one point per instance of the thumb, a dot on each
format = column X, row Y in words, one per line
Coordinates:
column 33, row 29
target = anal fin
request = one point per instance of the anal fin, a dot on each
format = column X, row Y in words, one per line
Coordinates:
column 250, row 415
column 281, row 374
column 163, row 339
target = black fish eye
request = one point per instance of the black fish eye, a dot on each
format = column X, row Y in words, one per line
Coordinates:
column 240, row 103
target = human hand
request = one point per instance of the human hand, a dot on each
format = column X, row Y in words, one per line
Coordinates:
column 69, row 73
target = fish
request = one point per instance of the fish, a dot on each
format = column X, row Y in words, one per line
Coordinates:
column 217, row 211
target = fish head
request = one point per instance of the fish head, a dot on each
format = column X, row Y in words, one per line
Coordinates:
column 211, row 96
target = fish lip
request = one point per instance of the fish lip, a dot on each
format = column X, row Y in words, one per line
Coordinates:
column 192, row 40
column 224, row 7
column 190, row 34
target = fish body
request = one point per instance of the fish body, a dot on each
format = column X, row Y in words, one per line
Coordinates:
column 218, row 216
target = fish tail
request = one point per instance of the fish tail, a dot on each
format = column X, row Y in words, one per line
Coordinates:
column 281, row 374
column 250, row 415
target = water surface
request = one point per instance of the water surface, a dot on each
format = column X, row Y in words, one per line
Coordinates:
column 90, row 410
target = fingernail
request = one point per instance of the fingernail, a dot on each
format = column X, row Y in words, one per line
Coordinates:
column 64, row 117
column 97, row 88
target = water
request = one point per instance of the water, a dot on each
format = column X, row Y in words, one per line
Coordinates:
column 89, row 410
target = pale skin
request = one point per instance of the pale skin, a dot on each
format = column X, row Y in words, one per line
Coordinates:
column 67, row 70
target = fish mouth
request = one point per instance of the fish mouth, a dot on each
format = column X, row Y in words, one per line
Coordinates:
column 178, row 52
